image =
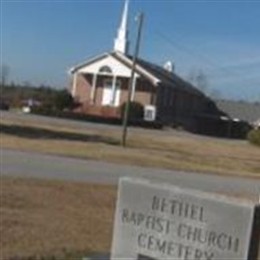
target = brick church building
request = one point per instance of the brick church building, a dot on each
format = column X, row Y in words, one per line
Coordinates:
column 100, row 86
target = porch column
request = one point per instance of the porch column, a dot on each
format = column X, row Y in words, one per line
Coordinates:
column 113, row 94
column 74, row 84
column 133, row 87
column 93, row 88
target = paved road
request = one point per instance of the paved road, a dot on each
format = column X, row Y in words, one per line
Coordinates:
column 24, row 164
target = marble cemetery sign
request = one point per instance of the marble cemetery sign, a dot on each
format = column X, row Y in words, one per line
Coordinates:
column 159, row 221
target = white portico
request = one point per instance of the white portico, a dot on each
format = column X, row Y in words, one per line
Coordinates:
column 108, row 69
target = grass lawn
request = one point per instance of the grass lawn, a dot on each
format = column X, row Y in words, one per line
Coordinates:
column 41, row 218
column 55, row 220
column 163, row 149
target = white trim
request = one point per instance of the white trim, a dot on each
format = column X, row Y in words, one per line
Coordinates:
column 118, row 67
column 93, row 88
column 88, row 62
column 119, row 57
column 113, row 89
column 74, row 84
column 133, row 88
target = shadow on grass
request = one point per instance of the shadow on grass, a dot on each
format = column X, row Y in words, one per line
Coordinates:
column 65, row 255
column 41, row 133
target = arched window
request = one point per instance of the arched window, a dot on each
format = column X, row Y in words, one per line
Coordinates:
column 105, row 69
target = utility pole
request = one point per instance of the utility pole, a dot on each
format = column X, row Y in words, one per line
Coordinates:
column 4, row 74
column 140, row 18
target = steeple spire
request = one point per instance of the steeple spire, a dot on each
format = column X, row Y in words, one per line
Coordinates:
column 121, row 42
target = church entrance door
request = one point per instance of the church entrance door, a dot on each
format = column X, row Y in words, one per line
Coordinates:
column 109, row 98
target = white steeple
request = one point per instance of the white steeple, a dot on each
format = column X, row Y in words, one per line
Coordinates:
column 121, row 41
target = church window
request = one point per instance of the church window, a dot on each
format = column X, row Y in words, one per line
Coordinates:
column 105, row 69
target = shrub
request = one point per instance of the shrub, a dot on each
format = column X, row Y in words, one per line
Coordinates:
column 136, row 111
column 63, row 100
column 44, row 109
column 4, row 105
column 254, row 137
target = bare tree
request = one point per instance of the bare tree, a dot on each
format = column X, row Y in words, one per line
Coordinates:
column 5, row 71
column 199, row 79
column 202, row 81
column 192, row 76
column 215, row 94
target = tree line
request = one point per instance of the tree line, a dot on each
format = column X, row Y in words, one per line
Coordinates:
column 42, row 97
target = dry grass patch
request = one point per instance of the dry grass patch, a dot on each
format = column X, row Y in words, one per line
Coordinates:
column 42, row 219
column 52, row 218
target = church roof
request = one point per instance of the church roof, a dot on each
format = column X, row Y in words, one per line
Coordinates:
column 153, row 72
column 167, row 78
column 164, row 77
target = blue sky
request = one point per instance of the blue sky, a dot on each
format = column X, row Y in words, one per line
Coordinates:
column 41, row 40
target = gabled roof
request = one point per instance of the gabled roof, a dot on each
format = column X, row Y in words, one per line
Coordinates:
column 161, row 75
column 121, row 58
column 242, row 110
column 152, row 72
column 128, row 61
column 88, row 62
column 168, row 78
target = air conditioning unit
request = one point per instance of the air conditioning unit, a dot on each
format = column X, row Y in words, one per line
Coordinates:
column 149, row 113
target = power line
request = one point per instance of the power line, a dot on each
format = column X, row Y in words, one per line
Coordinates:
column 206, row 60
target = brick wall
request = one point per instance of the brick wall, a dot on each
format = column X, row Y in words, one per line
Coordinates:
column 144, row 94
column 83, row 88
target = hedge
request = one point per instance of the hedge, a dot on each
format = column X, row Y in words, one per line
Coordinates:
column 135, row 112
column 95, row 119
column 254, row 137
